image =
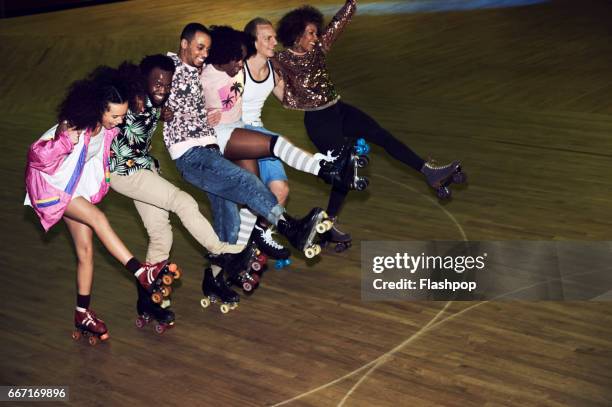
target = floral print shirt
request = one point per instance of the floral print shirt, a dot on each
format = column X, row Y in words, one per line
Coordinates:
column 189, row 127
column 130, row 149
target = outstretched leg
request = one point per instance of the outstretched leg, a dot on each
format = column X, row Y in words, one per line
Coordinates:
column 249, row 144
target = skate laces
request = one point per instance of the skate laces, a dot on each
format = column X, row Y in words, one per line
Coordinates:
column 329, row 157
column 267, row 237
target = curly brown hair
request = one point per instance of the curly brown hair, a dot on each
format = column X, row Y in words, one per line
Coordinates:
column 87, row 99
column 292, row 25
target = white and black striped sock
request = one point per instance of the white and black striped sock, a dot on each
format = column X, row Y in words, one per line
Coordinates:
column 247, row 223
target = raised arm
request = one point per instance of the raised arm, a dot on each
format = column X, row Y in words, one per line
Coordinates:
column 336, row 25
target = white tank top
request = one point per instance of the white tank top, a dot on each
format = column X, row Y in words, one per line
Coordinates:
column 255, row 95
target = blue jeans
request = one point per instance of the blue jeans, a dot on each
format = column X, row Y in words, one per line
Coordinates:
column 227, row 185
column 270, row 168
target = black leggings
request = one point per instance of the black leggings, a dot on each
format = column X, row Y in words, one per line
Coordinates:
column 341, row 123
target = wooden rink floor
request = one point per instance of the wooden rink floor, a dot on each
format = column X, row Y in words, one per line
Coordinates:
column 521, row 95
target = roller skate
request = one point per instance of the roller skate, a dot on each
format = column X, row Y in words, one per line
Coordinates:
column 342, row 240
column 440, row 177
column 360, row 159
column 215, row 289
column 341, row 170
column 149, row 311
column 302, row 232
column 157, row 279
column 248, row 277
column 87, row 325
column 262, row 237
column 238, row 267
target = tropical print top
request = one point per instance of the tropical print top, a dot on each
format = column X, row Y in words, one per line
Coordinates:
column 222, row 92
column 130, row 149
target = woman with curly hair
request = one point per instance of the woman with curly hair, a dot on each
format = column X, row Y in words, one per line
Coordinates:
column 67, row 174
column 329, row 121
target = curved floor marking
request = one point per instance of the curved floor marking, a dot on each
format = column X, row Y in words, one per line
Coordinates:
column 374, row 364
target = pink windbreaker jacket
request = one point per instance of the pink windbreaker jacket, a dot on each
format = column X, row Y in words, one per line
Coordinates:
column 46, row 156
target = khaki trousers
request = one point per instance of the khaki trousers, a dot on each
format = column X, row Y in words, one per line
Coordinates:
column 154, row 199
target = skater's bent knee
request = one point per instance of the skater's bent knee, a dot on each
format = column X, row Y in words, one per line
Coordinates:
column 280, row 189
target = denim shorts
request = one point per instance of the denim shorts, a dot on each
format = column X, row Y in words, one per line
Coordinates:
column 270, row 169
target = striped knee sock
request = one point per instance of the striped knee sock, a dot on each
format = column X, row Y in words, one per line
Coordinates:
column 247, row 223
column 294, row 156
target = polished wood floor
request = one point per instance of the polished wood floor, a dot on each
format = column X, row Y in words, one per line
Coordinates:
column 521, row 95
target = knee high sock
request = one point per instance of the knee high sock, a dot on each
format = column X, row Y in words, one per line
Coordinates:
column 247, row 223
column 294, row 156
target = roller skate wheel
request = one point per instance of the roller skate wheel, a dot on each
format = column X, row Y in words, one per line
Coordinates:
column 167, row 279
column 262, row 258
column 165, row 303
column 166, row 290
column 233, row 306
column 247, row 286
column 225, row 308
column 321, row 227
column 317, row 249
column 140, row 322
column 205, row 302
column 358, row 184
column 176, row 271
column 104, row 336
column 255, row 266
column 76, row 335
column 255, row 279
column 157, row 297
column 159, row 329
column 324, row 215
column 443, row 193
column 309, row 253
column 459, row 177
column 93, row 340
column 340, row 247
column 279, row 264
column 363, row 161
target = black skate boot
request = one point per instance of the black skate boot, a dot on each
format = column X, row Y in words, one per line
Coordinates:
column 216, row 289
column 439, row 177
column 262, row 237
column 342, row 240
column 302, row 232
column 238, row 267
column 149, row 311
column 341, row 170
